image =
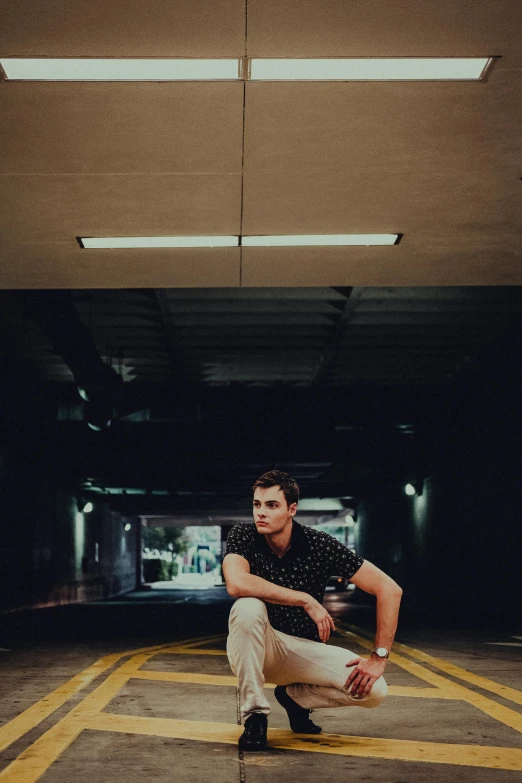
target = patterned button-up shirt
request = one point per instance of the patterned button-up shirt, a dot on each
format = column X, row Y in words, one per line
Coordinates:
column 312, row 559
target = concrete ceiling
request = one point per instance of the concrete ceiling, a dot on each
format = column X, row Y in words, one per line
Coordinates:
column 211, row 387
column 439, row 162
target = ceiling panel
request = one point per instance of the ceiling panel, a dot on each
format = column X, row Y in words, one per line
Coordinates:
column 386, row 28
column 421, row 205
column 412, row 263
column 66, row 265
column 393, row 127
column 109, row 28
column 60, row 207
column 438, row 162
column 119, row 128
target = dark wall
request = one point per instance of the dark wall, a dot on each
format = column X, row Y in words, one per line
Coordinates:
column 50, row 552
column 456, row 548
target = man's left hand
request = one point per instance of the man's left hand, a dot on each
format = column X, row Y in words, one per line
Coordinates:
column 366, row 671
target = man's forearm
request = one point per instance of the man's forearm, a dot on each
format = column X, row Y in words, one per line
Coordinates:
column 257, row 587
column 388, row 603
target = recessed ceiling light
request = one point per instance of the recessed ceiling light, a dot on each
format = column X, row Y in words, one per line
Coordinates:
column 97, row 69
column 133, row 242
column 389, row 68
column 321, row 239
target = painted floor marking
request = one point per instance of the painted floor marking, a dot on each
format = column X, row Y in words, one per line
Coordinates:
column 30, row 765
column 35, row 714
column 338, row 744
column 194, row 651
column 454, row 690
column 89, row 714
column 229, row 681
column 512, row 694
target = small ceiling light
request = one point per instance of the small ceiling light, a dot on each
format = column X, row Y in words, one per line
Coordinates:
column 156, row 242
column 127, row 527
column 98, row 69
column 371, row 69
column 88, row 507
column 308, row 240
column 409, row 489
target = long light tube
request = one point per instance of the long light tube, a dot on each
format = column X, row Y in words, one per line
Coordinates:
column 99, row 69
column 270, row 69
column 370, row 69
column 308, row 240
column 156, row 242
column 303, row 240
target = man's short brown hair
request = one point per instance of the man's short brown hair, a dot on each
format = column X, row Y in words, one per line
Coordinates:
column 285, row 482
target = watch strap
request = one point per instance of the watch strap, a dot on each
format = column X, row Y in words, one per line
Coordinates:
column 381, row 652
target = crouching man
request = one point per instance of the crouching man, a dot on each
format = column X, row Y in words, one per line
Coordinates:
column 278, row 570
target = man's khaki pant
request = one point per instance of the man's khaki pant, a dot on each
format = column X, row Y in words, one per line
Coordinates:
column 316, row 673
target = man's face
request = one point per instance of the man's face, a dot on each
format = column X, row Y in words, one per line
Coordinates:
column 271, row 512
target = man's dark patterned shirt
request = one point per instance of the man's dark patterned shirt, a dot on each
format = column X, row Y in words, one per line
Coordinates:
column 312, row 559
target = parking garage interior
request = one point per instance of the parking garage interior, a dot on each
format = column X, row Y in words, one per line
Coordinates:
column 185, row 408
column 234, row 266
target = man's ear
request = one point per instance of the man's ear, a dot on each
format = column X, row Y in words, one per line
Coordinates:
column 292, row 509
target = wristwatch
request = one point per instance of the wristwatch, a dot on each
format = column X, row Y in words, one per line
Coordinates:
column 381, row 652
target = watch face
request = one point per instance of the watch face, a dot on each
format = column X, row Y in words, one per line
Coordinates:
column 382, row 652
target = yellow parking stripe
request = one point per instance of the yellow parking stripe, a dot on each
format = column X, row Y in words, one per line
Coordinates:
column 340, row 745
column 197, row 679
column 199, row 642
column 33, row 763
column 193, row 651
column 497, row 711
column 475, row 679
column 512, row 694
column 35, row 714
column 30, row 765
column 31, row 717
column 226, row 680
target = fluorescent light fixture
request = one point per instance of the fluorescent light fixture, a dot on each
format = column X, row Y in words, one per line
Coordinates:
column 369, row 69
column 307, row 240
column 289, row 69
column 134, row 242
column 97, row 69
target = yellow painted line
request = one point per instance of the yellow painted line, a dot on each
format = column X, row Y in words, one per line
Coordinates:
column 197, row 679
column 35, row 714
column 229, row 681
column 336, row 744
column 199, row 642
column 475, row 679
column 511, row 694
column 497, row 711
column 416, row 692
column 32, row 716
column 193, row 651
column 32, row 763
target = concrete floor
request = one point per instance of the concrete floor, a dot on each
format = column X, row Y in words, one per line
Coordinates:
column 140, row 688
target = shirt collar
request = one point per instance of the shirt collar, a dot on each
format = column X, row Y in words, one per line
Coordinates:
column 299, row 543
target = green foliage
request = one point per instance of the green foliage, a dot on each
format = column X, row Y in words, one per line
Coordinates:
column 164, row 539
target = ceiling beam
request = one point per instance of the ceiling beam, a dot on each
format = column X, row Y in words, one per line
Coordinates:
column 347, row 308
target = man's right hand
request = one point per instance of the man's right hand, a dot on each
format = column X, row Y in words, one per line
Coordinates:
column 320, row 616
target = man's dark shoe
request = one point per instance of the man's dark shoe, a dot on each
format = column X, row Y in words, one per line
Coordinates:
column 254, row 735
column 298, row 716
